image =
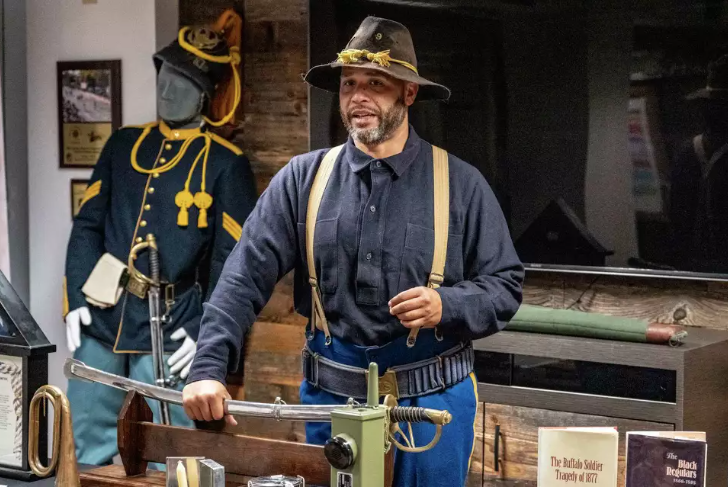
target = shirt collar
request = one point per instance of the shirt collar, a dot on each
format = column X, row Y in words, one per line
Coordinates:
column 399, row 163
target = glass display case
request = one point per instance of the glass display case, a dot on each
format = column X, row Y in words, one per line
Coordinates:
column 24, row 351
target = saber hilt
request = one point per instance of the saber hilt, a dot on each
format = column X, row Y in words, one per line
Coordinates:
column 400, row 414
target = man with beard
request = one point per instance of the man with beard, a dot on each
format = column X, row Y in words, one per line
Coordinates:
column 369, row 275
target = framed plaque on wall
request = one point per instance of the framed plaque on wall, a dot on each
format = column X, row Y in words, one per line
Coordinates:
column 89, row 109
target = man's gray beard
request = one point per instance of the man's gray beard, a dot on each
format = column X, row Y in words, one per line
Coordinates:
column 389, row 122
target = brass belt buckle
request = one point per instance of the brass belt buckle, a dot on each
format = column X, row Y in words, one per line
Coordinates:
column 387, row 383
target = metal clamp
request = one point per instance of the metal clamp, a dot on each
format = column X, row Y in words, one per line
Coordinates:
column 277, row 408
column 315, row 371
column 440, row 372
column 436, row 280
column 168, row 301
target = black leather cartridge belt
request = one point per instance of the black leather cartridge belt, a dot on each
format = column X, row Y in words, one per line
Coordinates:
column 403, row 381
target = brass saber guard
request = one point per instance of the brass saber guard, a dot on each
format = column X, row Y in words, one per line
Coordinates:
column 133, row 271
column 64, row 449
column 397, row 414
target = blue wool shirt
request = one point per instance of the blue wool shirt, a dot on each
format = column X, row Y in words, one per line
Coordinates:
column 374, row 239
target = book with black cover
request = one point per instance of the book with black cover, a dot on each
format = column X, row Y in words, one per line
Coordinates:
column 666, row 459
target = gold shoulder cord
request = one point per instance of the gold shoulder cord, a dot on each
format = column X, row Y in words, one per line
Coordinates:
column 184, row 198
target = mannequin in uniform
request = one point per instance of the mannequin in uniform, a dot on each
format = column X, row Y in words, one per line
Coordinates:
column 185, row 185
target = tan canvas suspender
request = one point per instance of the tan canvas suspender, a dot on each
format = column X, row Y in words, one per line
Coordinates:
column 318, row 319
column 441, row 183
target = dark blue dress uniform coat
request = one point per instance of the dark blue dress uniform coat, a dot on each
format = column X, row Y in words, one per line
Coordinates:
column 123, row 204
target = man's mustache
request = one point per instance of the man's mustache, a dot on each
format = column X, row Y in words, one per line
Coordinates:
column 362, row 112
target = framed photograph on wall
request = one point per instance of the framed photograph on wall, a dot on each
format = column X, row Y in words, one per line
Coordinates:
column 78, row 192
column 89, row 109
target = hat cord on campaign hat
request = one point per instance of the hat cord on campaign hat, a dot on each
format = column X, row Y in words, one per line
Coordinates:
column 233, row 59
column 381, row 58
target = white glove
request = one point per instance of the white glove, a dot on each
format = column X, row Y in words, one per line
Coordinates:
column 73, row 329
column 182, row 358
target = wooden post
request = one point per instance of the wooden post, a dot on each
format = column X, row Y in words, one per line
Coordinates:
column 129, row 433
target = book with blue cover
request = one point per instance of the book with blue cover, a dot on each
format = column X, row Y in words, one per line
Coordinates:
column 666, row 458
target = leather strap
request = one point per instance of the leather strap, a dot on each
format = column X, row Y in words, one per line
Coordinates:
column 318, row 318
column 441, row 185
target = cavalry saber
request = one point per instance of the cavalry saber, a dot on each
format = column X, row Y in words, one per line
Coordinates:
column 155, row 315
column 75, row 369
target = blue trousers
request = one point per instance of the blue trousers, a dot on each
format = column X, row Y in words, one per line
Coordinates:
column 448, row 462
column 95, row 407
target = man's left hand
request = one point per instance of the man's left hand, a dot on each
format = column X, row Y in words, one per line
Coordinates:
column 181, row 360
column 417, row 307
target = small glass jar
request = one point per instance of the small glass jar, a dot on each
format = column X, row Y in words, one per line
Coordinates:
column 277, row 481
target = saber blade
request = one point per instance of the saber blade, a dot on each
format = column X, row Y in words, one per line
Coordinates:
column 75, row 369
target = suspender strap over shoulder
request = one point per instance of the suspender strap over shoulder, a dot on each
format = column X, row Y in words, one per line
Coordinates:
column 441, row 204
column 318, row 318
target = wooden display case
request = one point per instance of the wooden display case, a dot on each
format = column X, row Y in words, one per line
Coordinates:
column 528, row 380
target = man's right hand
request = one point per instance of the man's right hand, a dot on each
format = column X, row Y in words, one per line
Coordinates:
column 73, row 326
column 204, row 401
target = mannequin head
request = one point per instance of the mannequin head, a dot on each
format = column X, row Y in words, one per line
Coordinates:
column 179, row 99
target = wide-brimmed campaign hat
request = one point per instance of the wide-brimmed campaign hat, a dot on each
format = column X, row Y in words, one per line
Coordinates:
column 381, row 45
column 717, row 85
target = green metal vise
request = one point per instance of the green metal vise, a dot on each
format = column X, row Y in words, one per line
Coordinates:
column 363, row 434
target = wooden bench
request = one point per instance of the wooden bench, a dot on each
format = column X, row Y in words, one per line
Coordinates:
column 141, row 442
